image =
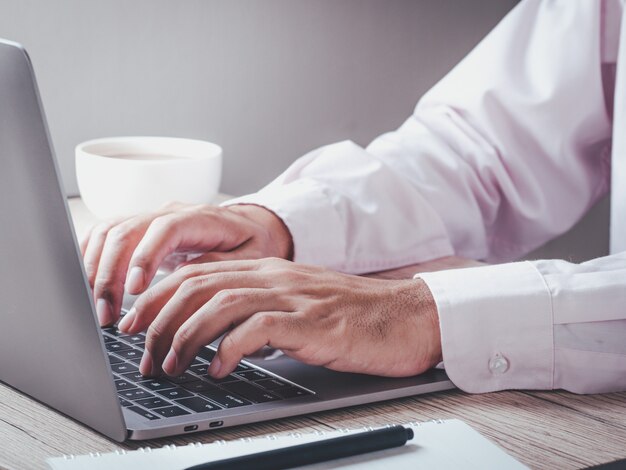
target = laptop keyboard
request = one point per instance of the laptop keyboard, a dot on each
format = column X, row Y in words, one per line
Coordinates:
column 191, row 392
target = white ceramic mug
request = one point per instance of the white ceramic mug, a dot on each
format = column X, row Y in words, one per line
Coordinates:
column 125, row 176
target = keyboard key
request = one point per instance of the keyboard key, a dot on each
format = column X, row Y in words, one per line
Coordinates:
column 225, row 399
column 228, row 378
column 249, row 391
column 241, row 367
column 125, row 403
column 174, row 393
column 272, row 384
column 199, row 369
column 198, row 404
column 114, row 359
column 135, row 377
column 171, row 411
column 181, row 379
column 291, row 392
column 253, row 374
column 130, row 353
column 154, row 402
column 108, row 339
column 123, row 385
column 158, row 384
column 198, row 386
column 136, row 360
column 116, row 346
column 206, row 353
column 146, row 414
column 124, row 367
column 133, row 339
column 135, row 394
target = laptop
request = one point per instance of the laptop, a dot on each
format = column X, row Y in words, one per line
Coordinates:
column 52, row 348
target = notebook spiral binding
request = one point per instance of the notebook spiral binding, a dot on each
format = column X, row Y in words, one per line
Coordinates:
column 272, row 437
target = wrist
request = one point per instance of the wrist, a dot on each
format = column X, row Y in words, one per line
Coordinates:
column 276, row 232
column 423, row 309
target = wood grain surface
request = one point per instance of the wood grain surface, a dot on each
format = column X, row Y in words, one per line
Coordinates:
column 544, row 430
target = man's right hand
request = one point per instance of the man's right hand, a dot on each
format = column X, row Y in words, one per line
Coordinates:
column 127, row 253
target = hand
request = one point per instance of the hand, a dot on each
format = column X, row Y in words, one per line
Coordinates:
column 128, row 252
column 320, row 317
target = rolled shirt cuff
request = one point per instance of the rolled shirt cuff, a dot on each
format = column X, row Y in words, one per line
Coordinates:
column 315, row 227
column 496, row 326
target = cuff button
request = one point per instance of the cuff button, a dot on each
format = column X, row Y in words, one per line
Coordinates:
column 498, row 364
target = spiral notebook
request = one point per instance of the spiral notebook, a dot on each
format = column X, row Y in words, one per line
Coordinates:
column 449, row 444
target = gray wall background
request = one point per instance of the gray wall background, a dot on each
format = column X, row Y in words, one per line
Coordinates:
column 268, row 80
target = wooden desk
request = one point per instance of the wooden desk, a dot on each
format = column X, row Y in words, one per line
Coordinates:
column 542, row 429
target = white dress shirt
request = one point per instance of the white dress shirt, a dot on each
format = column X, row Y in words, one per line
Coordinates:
column 506, row 152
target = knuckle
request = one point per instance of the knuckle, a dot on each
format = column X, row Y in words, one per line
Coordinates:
column 210, row 212
column 190, row 287
column 155, row 331
column 187, row 271
column 266, row 320
column 183, row 337
column 274, row 262
column 105, row 285
column 225, row 298
column 229, row 345
column 117, row 234
column 162, row 223
column 101, row 229
column 284, row 272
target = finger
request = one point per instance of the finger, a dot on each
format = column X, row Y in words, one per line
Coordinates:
column 165, row 235
column 182, row 231
column 84, row 240
column 246, row 251
column 280, row 330
column 117, row 249
column 216, row 257
column 151, row 302
column 191, row 295
column 93, row 250
column 225, row 310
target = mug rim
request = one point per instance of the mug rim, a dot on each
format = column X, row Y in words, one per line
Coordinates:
column 181, row 147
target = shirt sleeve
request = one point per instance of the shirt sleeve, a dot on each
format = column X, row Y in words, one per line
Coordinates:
column 507, row 151
column 348, row 210
column 534, row 325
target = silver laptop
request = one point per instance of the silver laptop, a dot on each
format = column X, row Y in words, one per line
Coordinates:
column 52, row 348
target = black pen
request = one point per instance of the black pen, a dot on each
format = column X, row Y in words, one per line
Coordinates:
column 315, row 452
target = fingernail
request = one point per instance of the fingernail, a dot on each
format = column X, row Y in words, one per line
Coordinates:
column 135, row 280
column 146, row 367
column 170, row 363
column 104, row 312
column 214, row 368
column 127, row 321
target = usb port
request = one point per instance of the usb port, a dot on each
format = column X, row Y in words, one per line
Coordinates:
column 193, row 427
column 216, row 424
